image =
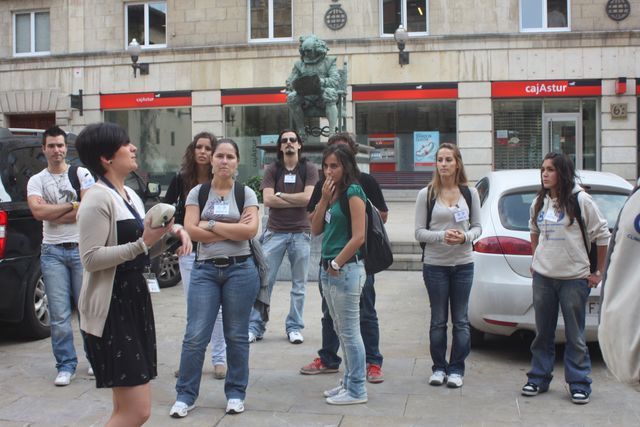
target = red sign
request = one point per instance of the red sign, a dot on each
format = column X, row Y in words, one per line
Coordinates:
column 254, row 96
column 405, row 92
column 117, row 101
column 546, row 88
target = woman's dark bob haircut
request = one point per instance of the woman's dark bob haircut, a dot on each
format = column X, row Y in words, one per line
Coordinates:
column 100, row 140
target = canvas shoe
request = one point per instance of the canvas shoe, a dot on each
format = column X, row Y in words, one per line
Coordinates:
column 90, row 372
column 580, row 397
column 531, row 389
column 219, row 371
column 235, row 406
column 374, row 373
column 180, row 409
column 64, row 378
column 344, row 398
column 454, row 381
column 317, row 367
column 334, row 391
column 295, row 337
column 438, row 378
column 253, row 337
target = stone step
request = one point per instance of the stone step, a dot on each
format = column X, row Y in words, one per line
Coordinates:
column 406, row 247
column 406, row 262
column 394, row 195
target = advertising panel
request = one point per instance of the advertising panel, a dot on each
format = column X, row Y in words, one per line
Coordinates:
column 425, row 146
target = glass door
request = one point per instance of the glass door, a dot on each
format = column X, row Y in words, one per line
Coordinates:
column 562, row 133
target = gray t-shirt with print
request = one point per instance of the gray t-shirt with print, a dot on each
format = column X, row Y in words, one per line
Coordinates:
column 222, row 209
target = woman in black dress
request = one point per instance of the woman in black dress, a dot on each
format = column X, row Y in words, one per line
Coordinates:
column 115, row 306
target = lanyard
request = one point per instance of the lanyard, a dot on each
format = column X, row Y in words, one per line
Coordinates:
column 133, row 210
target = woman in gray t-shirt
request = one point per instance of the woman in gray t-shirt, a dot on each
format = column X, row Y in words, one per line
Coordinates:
column 448, row 261
column 224, row 274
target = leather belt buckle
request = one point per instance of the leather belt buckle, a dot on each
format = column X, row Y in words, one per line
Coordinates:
column 222, row 262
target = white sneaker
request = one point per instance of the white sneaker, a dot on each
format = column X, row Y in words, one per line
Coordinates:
column 180, row 409
column 235, row 406
column 64, row 378
column 253, row 337
column 334, row 391
column 437, row 378
column 344, row 398
column 454, row 381
column 295, row 337
column 90, row 372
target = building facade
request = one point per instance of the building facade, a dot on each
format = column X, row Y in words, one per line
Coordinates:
column 506, row 80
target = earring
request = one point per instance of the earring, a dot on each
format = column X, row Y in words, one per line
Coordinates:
column 110, row 161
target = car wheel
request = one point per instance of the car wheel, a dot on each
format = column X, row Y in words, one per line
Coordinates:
column 35, row 323
column 166, row 269
column 477, row 337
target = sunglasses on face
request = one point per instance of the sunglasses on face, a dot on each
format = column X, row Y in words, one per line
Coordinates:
column 291, row 139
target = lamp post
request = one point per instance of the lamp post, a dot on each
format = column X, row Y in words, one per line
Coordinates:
column 134, row 50
column 401, row 36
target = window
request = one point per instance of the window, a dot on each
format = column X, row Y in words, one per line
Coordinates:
column 269, row 20
column 147, row 23
column 412, row 14
column 31, row 33
column 544, row 15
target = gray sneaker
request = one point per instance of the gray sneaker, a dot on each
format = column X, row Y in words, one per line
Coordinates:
column 334, row 391
column 344, row 398
column 454, row 381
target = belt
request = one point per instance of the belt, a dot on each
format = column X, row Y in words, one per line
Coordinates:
column 67, row 245
column 325, row 262
column 226, row 261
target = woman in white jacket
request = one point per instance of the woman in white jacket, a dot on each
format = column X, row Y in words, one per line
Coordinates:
column 561, row 275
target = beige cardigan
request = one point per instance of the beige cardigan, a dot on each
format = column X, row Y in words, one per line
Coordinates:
column 100, row 254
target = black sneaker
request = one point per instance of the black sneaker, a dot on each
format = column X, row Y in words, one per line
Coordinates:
column 530, row 389
column 580, row 397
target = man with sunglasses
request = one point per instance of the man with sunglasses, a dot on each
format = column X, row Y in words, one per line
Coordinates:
column 286, row 189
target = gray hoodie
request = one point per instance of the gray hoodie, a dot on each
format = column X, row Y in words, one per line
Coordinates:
column 561, row 253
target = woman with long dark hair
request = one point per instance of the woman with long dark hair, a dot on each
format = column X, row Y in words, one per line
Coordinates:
column 454, row 211
column 115, row 306
column 342, row 274
column 561, row 275
column 224, row 274
column 196, row 169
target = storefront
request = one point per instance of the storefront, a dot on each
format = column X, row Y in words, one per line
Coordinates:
column 531, row 118
column 158, row 123
column 405, row 124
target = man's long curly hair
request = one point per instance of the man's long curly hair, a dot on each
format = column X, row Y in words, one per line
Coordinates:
column 189, row 169
column 566, row 173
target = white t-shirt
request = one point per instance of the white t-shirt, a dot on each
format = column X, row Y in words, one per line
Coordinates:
column 56, row 188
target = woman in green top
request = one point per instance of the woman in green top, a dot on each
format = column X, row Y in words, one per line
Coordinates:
column 342, row 274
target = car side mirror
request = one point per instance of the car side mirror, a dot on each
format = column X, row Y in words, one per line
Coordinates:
column 153, row 189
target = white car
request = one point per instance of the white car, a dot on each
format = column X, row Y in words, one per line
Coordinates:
column 501, row 296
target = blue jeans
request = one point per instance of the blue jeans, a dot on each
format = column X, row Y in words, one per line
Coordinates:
column 449, row 286
column 218, row 346
column 369, row 329
column 571, row 297
column 343, row 299
column 62, row 275
column 298, row 248
column 235, row 288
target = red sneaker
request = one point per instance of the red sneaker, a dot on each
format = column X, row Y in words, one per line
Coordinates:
column 374, row 373
column 317, row 367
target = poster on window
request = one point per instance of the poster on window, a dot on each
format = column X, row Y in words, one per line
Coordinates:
column 425, row 145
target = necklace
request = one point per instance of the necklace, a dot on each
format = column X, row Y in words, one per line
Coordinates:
column 58, row 181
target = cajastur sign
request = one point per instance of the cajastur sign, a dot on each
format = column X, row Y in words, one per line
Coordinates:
column 546, row 88
column 115, row 101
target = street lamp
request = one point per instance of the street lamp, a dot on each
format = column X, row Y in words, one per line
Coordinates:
column 401, row 37
column 134, row 50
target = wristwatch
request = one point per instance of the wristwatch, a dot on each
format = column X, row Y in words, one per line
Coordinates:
column 597, row 273
column 335, row 265
column 279, row 194
column 75, row 205
column 211, row 224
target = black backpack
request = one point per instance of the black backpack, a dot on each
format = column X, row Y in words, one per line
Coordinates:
column 238, row 194
column 377, row 252
column 591, row 247
column 73, row 179
column 431, row 201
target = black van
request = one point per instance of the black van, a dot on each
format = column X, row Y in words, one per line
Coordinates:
column 23, row 303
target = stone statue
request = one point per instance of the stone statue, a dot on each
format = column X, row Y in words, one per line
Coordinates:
column 314, row 85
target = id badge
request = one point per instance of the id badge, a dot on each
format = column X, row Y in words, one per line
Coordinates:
column 152, row 282
column 290, row 178
column 327, row 217
column 221, row 208
column 461, row 215
column 551, row 216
